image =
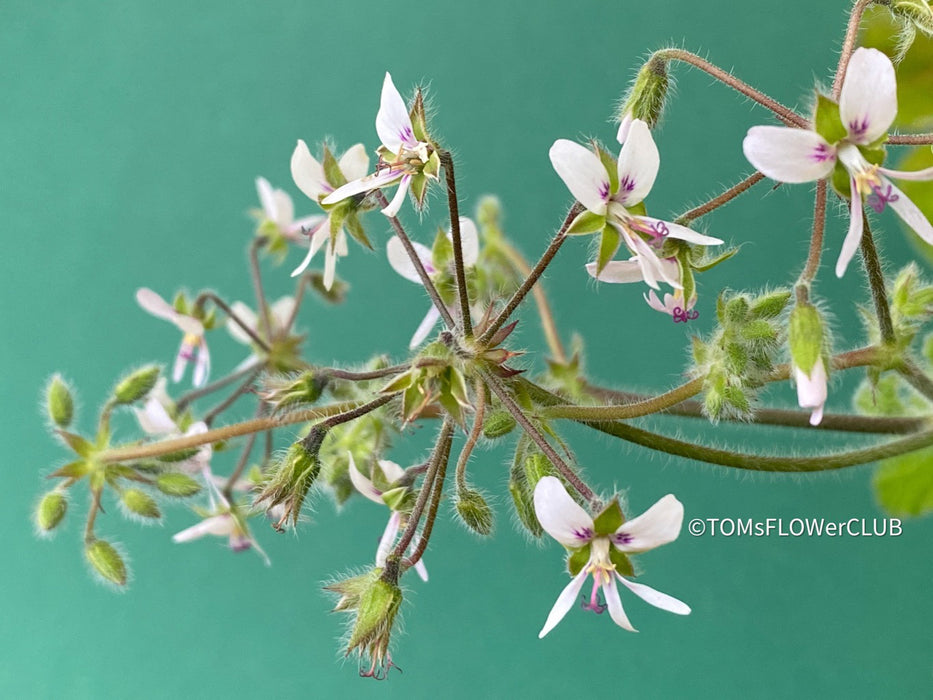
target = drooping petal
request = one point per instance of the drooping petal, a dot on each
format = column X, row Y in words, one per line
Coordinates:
column 219, row 525
column 679, row 232
column 658, row 525
column 387, row 541
column 401, row 262
column 655, row 303
column 202, row 365
column 361, row 483
column 266, row 198
column 285, row 210
column 469, row 241
column 614, row 603
column 854, row 235
column 281, row 311
column 655, row 598
column 789, row 155
column 564, row 602
column 318, row 233
column 624, row 127
column 583, row 173
column 638, row 164
column 393, row 124
column 154, row 419
column 364, row 184
column 392, row 471
column 618, row 271
column 391, row 209
column 421, row 570
column 812, row 390
column 330, row 265
column 247, row 316
column 157, row 306
column 868, row 100
column 308, row 173
column 425, row 327
column 909, row 212
column 560, row 516
column 653, row 268
column 303, row 226
column 354, row 162
column 184, row 354
column 925, row 174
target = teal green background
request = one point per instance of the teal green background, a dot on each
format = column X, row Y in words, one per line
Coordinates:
column 131, row 136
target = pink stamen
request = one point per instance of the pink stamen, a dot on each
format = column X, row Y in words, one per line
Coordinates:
column 594, row 603
column 682, row 316
column 879, row 199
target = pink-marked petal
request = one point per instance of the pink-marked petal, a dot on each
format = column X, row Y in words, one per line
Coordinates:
column 266, row 198
column 789, row 155
column 202, row 365
column 402, row 264
column 583, row 173
column 658, row 525
column 391, row 209
column 354, row 162
column 181, row 360
column 653, row 267
column 393, row 125
column 318, row 233
column 300, row 227
column 361, row 483
column 425, row 327
column 854, row 235
column 910, row 213
column 364, row 184
column 655, row 598
column 679, row 232
column 219, row 525
column 308, row 173
column 387, row 541
column 560, row 516
column 469, row 241
column 153, row 304
column 638, row 164
column 655, row 303
column 614, row 603
column 868, row 100
column 564, row 602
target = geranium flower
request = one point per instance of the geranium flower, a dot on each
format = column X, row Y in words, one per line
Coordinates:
column 613, row 194
column 154, row 419
column 599, row 548
column 278, row 213
column 192, row 342
column 402, row 264
column 403, row 157
column 847, row 136
column 316, row 182
column 395, row 497
column 624, row 271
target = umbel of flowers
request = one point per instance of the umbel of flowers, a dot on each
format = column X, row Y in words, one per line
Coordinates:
column 317, row 427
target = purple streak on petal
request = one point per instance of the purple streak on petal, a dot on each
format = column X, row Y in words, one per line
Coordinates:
column 858, row 129
column 623, row 537
column 627, row 184
column 604, row 191
column 822, row 153
column 584, row 535
column 239, row 543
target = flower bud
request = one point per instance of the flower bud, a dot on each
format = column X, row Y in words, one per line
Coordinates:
column 106, row 561
column 378, row 606
column 645, row 99
column 139, row 503
column 59, row 402
column 177, row 484
column 917, row 12
column 289, row 483
column 806, row 341
column 475, row 511
column 497, row 424
column 306, row 388
column 51, row 511
column 136, row 385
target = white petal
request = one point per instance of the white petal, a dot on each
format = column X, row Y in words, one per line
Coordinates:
column 624, row 127
column 910, row 213
column 401, row 262
column 387, row 541
column 285, row 210
column 560, row 516
column 215, row 525
column 421, row 570
column 614, row 603
column 425, row 327
column 281, row 311
column 319, row 233
column 789, row 155
column 154, row 419
column 925, row 174
column 364, row 184
column 181, row 360
column 618, row 271
column 157, row 306
column 681, row 233
column 390, row 470
column 266, row 198
column 300, row 227
column 655, row 598
column 202, row 365
column 812, row 390
column 392, row 121
column 583, row 173
column 868, row 100
column 655, row 303
column 564, row 602
column 652, row 267
column 638, row 164
column 391, row 209
column 330, row 266
column 340, row 243
column 469, row 241
column 658, row 525
column 307, row 172
column 361, row 483
column 245, row 314
column 354, row 162
column 854, row 235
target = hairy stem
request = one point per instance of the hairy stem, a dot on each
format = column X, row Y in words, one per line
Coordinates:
column 92, row 515
column 910, row 139
column 848, row 44
column 876, row 282
column 453, row 206
column 230, row 400
column 916, row 377
column 480, row 413
column 816, row 237
column 437, row 491
column 223, row 306
column 208, row 389
column 631, row 410
column 720, row 200
column 256, row 276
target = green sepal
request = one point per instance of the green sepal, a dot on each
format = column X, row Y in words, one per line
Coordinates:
column 399, row 383
column 638, row 209
column 578, row 559
column 210, row 319
column 710, row 264
column 353, row 226
column 177, row 484
column 180, row 303
column 51, row 510
column 442, row 252
column 826, row 120
column 432, row 167
column 612, row 168
column 686, row 277
column 106, row 561
column 418, row 116
column 610, row 519
column 586, row 222
column 875, row 156
column 398, row 499
column 178, row 455
column 770, row 305
column 336, row 217
column 81, row 447
column 458, row 387
column 419, row 188
column 140, row 503
column 805, row 336
column 136, row 385
column 332, row 173
column 475, row 512
column 609, row 243
column 72, row 470
column 841, row 181
column 622, row 563
column 524, row 508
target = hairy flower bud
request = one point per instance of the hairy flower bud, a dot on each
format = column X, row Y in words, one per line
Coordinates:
column 475, row 511
column 645, row 99
column 498, row 423
column 51, row 511
column 59, row 402
column 177, row 484
column 377, row 609
column 807, row 346
column 917, row 12
column 292, row 479
column 139, row 503
column 136, row 385
column 106, row 561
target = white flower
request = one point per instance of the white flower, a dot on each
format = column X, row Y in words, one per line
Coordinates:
column 279, row 212
column 392, row 475
column 310, row 177
column 280, row 313
column 867, row 107
column 812, row 390
column 192, row 342
column 564, row 520
column 624, row 271
column 402, row 264
column 402, row 156
column 614, row 199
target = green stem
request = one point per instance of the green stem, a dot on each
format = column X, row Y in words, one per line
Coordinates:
column 631, row 410
column 917, row 378
column 223, row 306
column 480, row 413
column 437, row 491
column 208, row 389
column 256, row 275
column 876, row 282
